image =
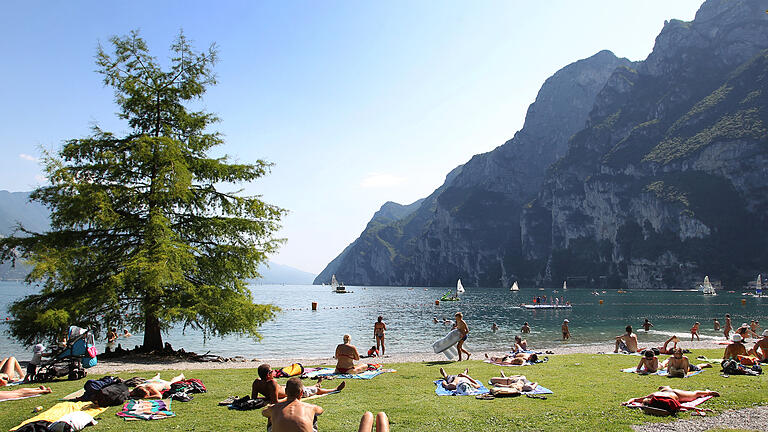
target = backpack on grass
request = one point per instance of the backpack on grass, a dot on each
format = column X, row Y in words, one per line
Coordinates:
column 112, row 395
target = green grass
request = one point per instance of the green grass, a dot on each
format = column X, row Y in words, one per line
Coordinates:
column 588, row 392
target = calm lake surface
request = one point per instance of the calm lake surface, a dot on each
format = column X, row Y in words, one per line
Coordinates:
column 299, row 332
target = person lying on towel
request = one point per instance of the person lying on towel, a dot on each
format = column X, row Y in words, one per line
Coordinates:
column 514, row 359
column 461, row 382
column 24, row 393
column 516, row 382
column 273, row 392
column 154, row 387
column 669, row 399
column 292, row 415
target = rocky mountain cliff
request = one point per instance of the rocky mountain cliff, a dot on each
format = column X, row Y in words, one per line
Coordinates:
column 644, row 174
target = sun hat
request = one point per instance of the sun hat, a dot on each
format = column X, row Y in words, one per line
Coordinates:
column 38, row 348
column 566, row 320
column 736, row 337
column 765, row 333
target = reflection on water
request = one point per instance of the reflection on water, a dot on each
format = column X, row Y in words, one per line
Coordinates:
column 408, row 313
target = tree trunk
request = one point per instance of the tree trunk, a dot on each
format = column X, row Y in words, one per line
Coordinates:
column 153, row 338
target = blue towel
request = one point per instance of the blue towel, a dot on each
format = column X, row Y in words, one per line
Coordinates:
column 442, row 391
column 326, row 372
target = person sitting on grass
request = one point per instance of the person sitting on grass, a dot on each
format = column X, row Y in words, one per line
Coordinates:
column 24, row 392
column 273, row 392
column 462, row 383
column 760, row 350
column 678, row 365
column 669, row 399
column 346, row 354
column 520, row 344
column 10, row 371
column 366, row 423
column 626, row 342
column 648, row 364
column 154, row 387
column 514, row 359
column 292, row 415
column 736, row 348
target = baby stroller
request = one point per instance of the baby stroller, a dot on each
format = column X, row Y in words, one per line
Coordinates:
column 72, row 359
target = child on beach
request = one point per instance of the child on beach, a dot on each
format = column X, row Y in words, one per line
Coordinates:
column 37, row 359
column 373, row 352
column 695, row 331
column 566, row 330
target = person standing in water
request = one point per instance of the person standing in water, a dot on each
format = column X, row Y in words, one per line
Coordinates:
column 461, row 325
column 647, row 325
column 727, row 329
column 566, row 330
column 716, row 324
column 378, row 333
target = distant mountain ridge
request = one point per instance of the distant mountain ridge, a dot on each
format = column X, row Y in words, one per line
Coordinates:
column 640, row 174
column 15, row 207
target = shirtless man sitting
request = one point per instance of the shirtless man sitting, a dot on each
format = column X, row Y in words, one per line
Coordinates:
column 626, row 342
column 24, row 392
column 760, row 350
column 678, row 365
column 648, row 364
column 346, row 354
column 462, row 382
column 273, row 392
column 292, row 415
column 514, row 359
column 661, row 399
column 154, row 387
column 520, row 344
column 735, row 348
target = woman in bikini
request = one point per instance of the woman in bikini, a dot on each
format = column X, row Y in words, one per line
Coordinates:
column 346, row 354
column 24, row 393
column 378, row 333
column 10, row 371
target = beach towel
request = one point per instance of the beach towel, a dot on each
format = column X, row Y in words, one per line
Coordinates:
column 440, row 390
column 328, row 372
column 146, row 409
column 661, row 372
column 75, row 395
column 690, row 405
column 63, row 408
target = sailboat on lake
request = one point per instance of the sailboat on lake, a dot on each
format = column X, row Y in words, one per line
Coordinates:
column 453, row 296
column 565, row 286
column 337, row 287
column 706, row 288
column 514, row 287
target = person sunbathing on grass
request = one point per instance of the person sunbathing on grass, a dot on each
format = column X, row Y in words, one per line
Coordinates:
column 292, row 415
column 24, row 392
column 10, row 371
column 273, row 392
column 461, row 382
column 346, row 354
column 760, row 350
column 648, row 364
column 516, row 382
column 514, row 359
column 664, row 350
column 679, row 366
column 154, row 387
column 669, row 399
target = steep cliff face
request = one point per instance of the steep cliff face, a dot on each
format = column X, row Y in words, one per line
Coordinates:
column 470, row 226
column 667, row 182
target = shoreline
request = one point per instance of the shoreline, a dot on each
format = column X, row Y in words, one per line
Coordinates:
column 143, row 362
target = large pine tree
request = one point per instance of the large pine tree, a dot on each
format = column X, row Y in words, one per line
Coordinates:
column 141, row 232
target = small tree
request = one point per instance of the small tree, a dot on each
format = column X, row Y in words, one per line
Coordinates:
column 140, row 232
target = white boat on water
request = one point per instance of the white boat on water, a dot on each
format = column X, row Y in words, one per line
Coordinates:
column 337, row 287
column 514, row 287
column 459, row 288
column 706, row 288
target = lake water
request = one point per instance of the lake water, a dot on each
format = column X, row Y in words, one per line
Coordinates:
column 408, row 312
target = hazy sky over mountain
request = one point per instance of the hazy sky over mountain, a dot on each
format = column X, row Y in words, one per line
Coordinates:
column 357, row 103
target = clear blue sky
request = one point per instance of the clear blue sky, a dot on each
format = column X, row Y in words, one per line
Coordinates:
column 357, row 103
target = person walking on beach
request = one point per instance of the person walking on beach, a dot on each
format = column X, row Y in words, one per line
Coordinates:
column 695, row 331
column 566, row 330
column 716, row 324
column 293, row 414
column 727, row 329
column 647, row 325
column 461, row 325
column 378, row 333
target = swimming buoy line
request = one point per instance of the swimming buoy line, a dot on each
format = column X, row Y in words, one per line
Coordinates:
column 496, row 304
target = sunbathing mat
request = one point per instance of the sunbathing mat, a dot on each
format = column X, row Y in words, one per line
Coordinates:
column 661, row 372
column 63, row 408
column 692, row 404
column 330, row 372
column 144, row 409
column 440, row 390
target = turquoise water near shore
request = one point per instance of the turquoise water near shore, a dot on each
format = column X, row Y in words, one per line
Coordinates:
column 408, row 311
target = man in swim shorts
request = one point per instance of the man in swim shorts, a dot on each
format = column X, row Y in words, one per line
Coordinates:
column 678, row 365
column 647, row 325
column 760, row 350
column 461, row 325
column 462, row 383
column 292, row 415
column 626, row 342
column 273, row 392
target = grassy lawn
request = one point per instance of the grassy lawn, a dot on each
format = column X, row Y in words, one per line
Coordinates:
column 588, row 390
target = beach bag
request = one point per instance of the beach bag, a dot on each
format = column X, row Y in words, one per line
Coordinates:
column 89, row 362
column 295, row 369
column 111, row 395
column 92, row 352
column 731, row 367
column 92, row 387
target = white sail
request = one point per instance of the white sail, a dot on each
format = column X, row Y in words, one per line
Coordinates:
column 334, row 282
column 565, row 287
column 707, row 287
column 759, row 285
column 514, row 287
column 459, row 287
